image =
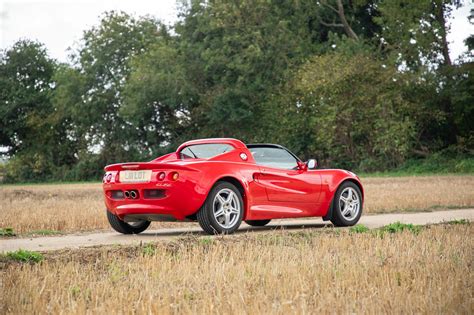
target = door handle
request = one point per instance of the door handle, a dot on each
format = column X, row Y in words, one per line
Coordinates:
column 258, row 175
column 255, row 177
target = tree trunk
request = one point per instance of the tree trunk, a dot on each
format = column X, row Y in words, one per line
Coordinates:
column 342, row 16
column 347, row 28
column 444, row 42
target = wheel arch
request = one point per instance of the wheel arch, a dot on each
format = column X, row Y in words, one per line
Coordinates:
column 356, row 182
column 238, row 184
column 349, row 179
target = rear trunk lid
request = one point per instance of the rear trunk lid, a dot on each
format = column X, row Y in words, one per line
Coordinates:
column 135, row 166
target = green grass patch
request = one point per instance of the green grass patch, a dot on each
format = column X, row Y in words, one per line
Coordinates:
column 206, row 241
column 396, row 227
column 359, row 228
column 400, row 227
column 149, row 249
column 457, row 222
column 25, row 256
column 7, row 232
column 44, row 232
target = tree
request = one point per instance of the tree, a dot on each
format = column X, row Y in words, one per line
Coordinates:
column 413, row 34
column 159, row 98
column 33, row 129
column 470, row 40
column 415, row 31
column 235, row 53
column 351, row 113
column 353, row 19
column 357, row 83
column 26, row 80
column 94, row 87
column 25, row 107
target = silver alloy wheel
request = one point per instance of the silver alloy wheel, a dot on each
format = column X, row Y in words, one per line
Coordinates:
column 349, row 203
column 226, row 208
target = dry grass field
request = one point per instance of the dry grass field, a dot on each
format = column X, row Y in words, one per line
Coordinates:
column 79, row 207
column 325, row 271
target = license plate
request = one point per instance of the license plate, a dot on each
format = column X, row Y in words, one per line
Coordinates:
column 135, row 176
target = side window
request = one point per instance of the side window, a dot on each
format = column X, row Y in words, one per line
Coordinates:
column 205, row 151
column 274, row 157
column 186, row 153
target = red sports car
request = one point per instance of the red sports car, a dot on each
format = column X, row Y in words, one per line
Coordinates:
column 220, row 182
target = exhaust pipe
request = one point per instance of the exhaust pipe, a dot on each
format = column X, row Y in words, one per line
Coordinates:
column 133, row 194
column 127, row 194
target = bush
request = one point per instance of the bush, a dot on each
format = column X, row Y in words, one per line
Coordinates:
column 440, row 162
column 22, row 168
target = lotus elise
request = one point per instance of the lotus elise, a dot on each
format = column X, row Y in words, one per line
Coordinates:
column 222, row 182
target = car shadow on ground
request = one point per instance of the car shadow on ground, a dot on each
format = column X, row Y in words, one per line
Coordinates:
column 244, row 229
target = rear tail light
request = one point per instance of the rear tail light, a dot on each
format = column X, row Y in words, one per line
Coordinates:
column 174, row 176
column 108, row 178
column 161, row 176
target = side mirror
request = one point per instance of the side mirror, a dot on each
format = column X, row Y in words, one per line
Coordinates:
column 312, row 164
column 302, row 166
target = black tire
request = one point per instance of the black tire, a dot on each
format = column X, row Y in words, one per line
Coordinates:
column 257, row 222
column 337, row 218
column 125, row 228
column 205, row 215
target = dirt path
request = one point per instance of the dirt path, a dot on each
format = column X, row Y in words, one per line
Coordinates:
column 110, row 238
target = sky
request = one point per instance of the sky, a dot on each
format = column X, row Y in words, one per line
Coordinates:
column 59, row 24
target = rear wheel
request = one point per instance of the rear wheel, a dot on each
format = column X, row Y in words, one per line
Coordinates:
column 257, row 222
column 127, row 227
column 347, row 205
column 222, row 211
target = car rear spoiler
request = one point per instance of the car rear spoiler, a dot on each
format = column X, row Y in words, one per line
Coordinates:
column 146, row 166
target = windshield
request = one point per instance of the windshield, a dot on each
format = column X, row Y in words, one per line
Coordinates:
column 204, row 151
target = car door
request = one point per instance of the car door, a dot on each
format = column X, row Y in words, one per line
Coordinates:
column 282, row 179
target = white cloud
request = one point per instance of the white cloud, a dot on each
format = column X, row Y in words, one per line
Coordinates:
column 59, row 23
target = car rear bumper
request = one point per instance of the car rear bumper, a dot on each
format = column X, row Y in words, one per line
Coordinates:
column 173, row 199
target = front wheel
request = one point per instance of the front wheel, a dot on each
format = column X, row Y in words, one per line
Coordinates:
column 222, row 211
column 347, row 205
column 127, row 227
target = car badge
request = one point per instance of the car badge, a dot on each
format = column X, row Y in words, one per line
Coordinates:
column 243, row 156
